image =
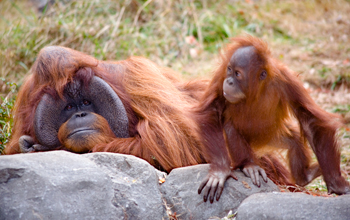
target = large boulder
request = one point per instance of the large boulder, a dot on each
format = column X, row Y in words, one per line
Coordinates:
column 181, row 186
column 63, row 185
column 290, row 206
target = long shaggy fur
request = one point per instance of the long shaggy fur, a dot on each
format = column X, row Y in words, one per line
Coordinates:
column 162, row 129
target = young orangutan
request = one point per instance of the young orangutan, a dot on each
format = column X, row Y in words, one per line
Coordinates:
column 248, row 108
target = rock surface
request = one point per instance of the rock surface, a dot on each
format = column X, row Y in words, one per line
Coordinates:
column 63, row 185
column 285, row 206
column 135, row 185
column 180, row 193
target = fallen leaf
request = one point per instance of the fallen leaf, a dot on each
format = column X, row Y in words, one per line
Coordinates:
column 161, row 180
column 246, row 185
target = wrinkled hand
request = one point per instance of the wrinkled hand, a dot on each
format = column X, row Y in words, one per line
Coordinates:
column 338, row 186
column 253, row 171
column 214, row 183
column 26, row 144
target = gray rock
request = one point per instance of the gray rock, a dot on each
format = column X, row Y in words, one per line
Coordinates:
column 180, row 193
column 135, row 184
column 284, row 206
column 62, row 185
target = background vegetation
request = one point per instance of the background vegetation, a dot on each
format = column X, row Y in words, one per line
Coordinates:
column 311, row 37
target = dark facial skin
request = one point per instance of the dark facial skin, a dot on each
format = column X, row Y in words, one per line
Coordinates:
column 85, row 111
column 80, row 120
column 77, row 113
column 238, row 69
column 75, row 106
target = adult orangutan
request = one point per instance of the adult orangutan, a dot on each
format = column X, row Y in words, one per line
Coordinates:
column 73, row 101
column 248, row 109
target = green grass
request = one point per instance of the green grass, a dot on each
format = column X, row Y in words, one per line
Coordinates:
column 117, row 29
column 6, row 118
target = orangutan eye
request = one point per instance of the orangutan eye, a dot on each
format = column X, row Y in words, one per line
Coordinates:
column 238, row 74
column 86, row 102
column 229, row 70
column 68, row 107
column 263, row 75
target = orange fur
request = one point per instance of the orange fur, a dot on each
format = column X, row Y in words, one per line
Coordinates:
column 262, row 118
column 161, row 127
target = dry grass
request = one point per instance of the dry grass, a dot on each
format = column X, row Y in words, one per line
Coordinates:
column 311, row 37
